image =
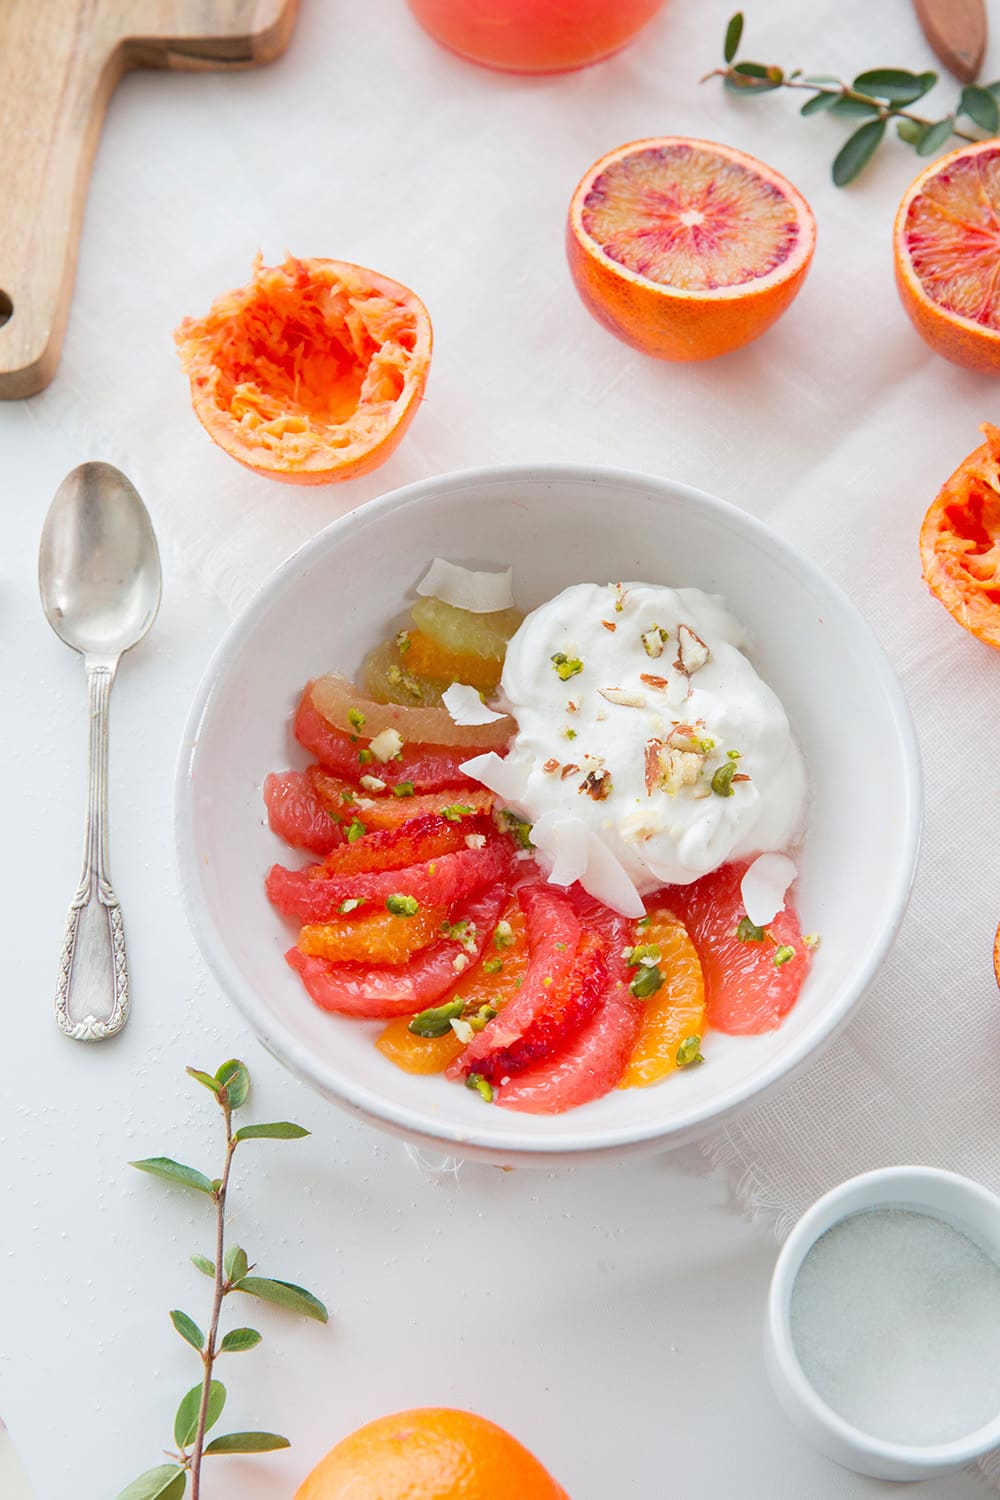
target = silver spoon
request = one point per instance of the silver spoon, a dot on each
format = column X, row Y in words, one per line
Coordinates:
column 99, row 578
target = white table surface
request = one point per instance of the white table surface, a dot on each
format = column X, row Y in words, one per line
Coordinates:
column 609, row 1315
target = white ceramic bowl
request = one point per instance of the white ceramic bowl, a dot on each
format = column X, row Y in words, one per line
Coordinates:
column 557, row 525
column 943, row 1195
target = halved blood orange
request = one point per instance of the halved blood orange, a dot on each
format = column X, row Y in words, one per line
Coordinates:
column 685, row 248
column 960, row 541
column 946, row 245
column 310, row 373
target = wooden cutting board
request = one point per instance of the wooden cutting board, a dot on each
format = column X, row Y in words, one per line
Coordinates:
column 59, row 63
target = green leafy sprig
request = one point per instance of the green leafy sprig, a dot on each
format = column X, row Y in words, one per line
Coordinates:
column 878, row 97
column 230, row 1271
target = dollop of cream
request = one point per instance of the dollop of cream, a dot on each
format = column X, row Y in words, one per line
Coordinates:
column 640, row 717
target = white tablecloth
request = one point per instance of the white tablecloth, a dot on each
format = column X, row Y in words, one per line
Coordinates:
column 610, row 1316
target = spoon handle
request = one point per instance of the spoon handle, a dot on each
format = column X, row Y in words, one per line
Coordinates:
column 92, row 998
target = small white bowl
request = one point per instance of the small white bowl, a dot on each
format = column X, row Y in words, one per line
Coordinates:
column 944, row 1195
column 557, row 525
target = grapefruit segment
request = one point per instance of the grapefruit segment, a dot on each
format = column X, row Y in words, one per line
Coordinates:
column 297, row 815
column 746, row 991
column 346, row 707
column 946, row 244
column 687, row 249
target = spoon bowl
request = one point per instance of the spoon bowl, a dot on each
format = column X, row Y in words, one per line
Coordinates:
column 98, row 562
column 99, row 580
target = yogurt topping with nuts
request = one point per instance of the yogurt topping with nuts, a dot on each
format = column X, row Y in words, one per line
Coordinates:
column 648, row 750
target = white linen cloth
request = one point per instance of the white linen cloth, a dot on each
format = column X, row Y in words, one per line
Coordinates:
column 369, row 143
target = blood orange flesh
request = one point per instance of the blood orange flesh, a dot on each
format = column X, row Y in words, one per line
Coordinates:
column 685, row 248
column 947, row 249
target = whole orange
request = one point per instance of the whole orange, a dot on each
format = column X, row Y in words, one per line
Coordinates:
column 946, row 247
column 433, row 1453
column 687, row 249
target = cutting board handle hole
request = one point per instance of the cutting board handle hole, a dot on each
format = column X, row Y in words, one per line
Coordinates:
column 6, row 308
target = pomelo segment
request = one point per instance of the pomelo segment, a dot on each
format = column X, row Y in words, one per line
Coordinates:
column 685, row 248
column 946, row 244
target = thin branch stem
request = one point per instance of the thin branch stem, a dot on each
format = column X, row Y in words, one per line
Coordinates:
column 840, row 91
column 209, row 1353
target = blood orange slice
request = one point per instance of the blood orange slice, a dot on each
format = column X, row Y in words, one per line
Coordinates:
column 425, row 768
column 946, row 244
column 687, row 249
column 750, row 982
column 345, row 800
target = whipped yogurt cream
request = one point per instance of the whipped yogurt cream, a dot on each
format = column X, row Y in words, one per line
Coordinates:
column 648, row 750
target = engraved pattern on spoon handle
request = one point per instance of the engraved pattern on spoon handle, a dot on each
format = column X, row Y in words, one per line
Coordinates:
column 92, row 989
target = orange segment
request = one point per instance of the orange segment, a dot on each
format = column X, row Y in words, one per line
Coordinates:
column 426, row 658
column 310, row 373
column 483, row 984
column 378, row 938
column 946, row 244
column 687, row 249
column 676, row 1011
column 960, row 541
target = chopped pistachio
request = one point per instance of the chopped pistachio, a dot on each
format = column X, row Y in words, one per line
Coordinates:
column 689, row 1052
column 464, row 933
column 403, row 641
column 393, row 675
column 493, row 965
column 568, row 732
column 356, row 830
column 463, row 1030
column 652, row 642
column 722, row 781
column 645, row 954
column 436, row 1021
column 644, row 922
column 481, row 1085
column 346, row 796
column 706, row 746
column 811, row 940
column 503, row 936
column 783, row 955
column 455, row 811
column 402, row 906
column 483, row 1014
column 735, row 754
column 334, row 817
column 747, row 932
column 516, row 826
column 403, row 789
column 365, row 757
column 566, row 666
column 351, row 904
column 372, row 784
column 646, row 982
column 547, row 981
column 355, row 718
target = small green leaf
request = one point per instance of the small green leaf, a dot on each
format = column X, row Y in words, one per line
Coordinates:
column 436, row 1021
column 236, row 1079
column 992, row 88
column 284, row 1294
column 910, row 131
column 188, row 1329
column 818, row 103
column 896, row 85
column 186, row 1420
column 204, row 1265
column 238, row 1339
column 206, row 1080
column 938, row 134
column 247, row 1442
column 981, row 107
column 822, row 78
column 174, row 1171
column 745, row 78
column 853, row 107
column 235, row 1263
column 734, row 33
column 857, row 151
column 166, row 1482
column 281, row 1130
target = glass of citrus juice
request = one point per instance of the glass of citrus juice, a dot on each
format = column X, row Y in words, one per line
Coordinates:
column 534, row 36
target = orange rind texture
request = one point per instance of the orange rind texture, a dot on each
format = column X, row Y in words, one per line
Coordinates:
column 310, row 373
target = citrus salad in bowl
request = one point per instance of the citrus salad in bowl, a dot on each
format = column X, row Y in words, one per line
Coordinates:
column 549, row 855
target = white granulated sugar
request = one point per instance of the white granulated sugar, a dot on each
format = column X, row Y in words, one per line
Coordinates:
column 895, row 1318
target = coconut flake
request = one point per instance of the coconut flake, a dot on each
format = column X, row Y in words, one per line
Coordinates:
column 465, row 588
column 506, row 777
column 764, row 885
column 563, row 839
column 606, row 878
column 466, row 707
